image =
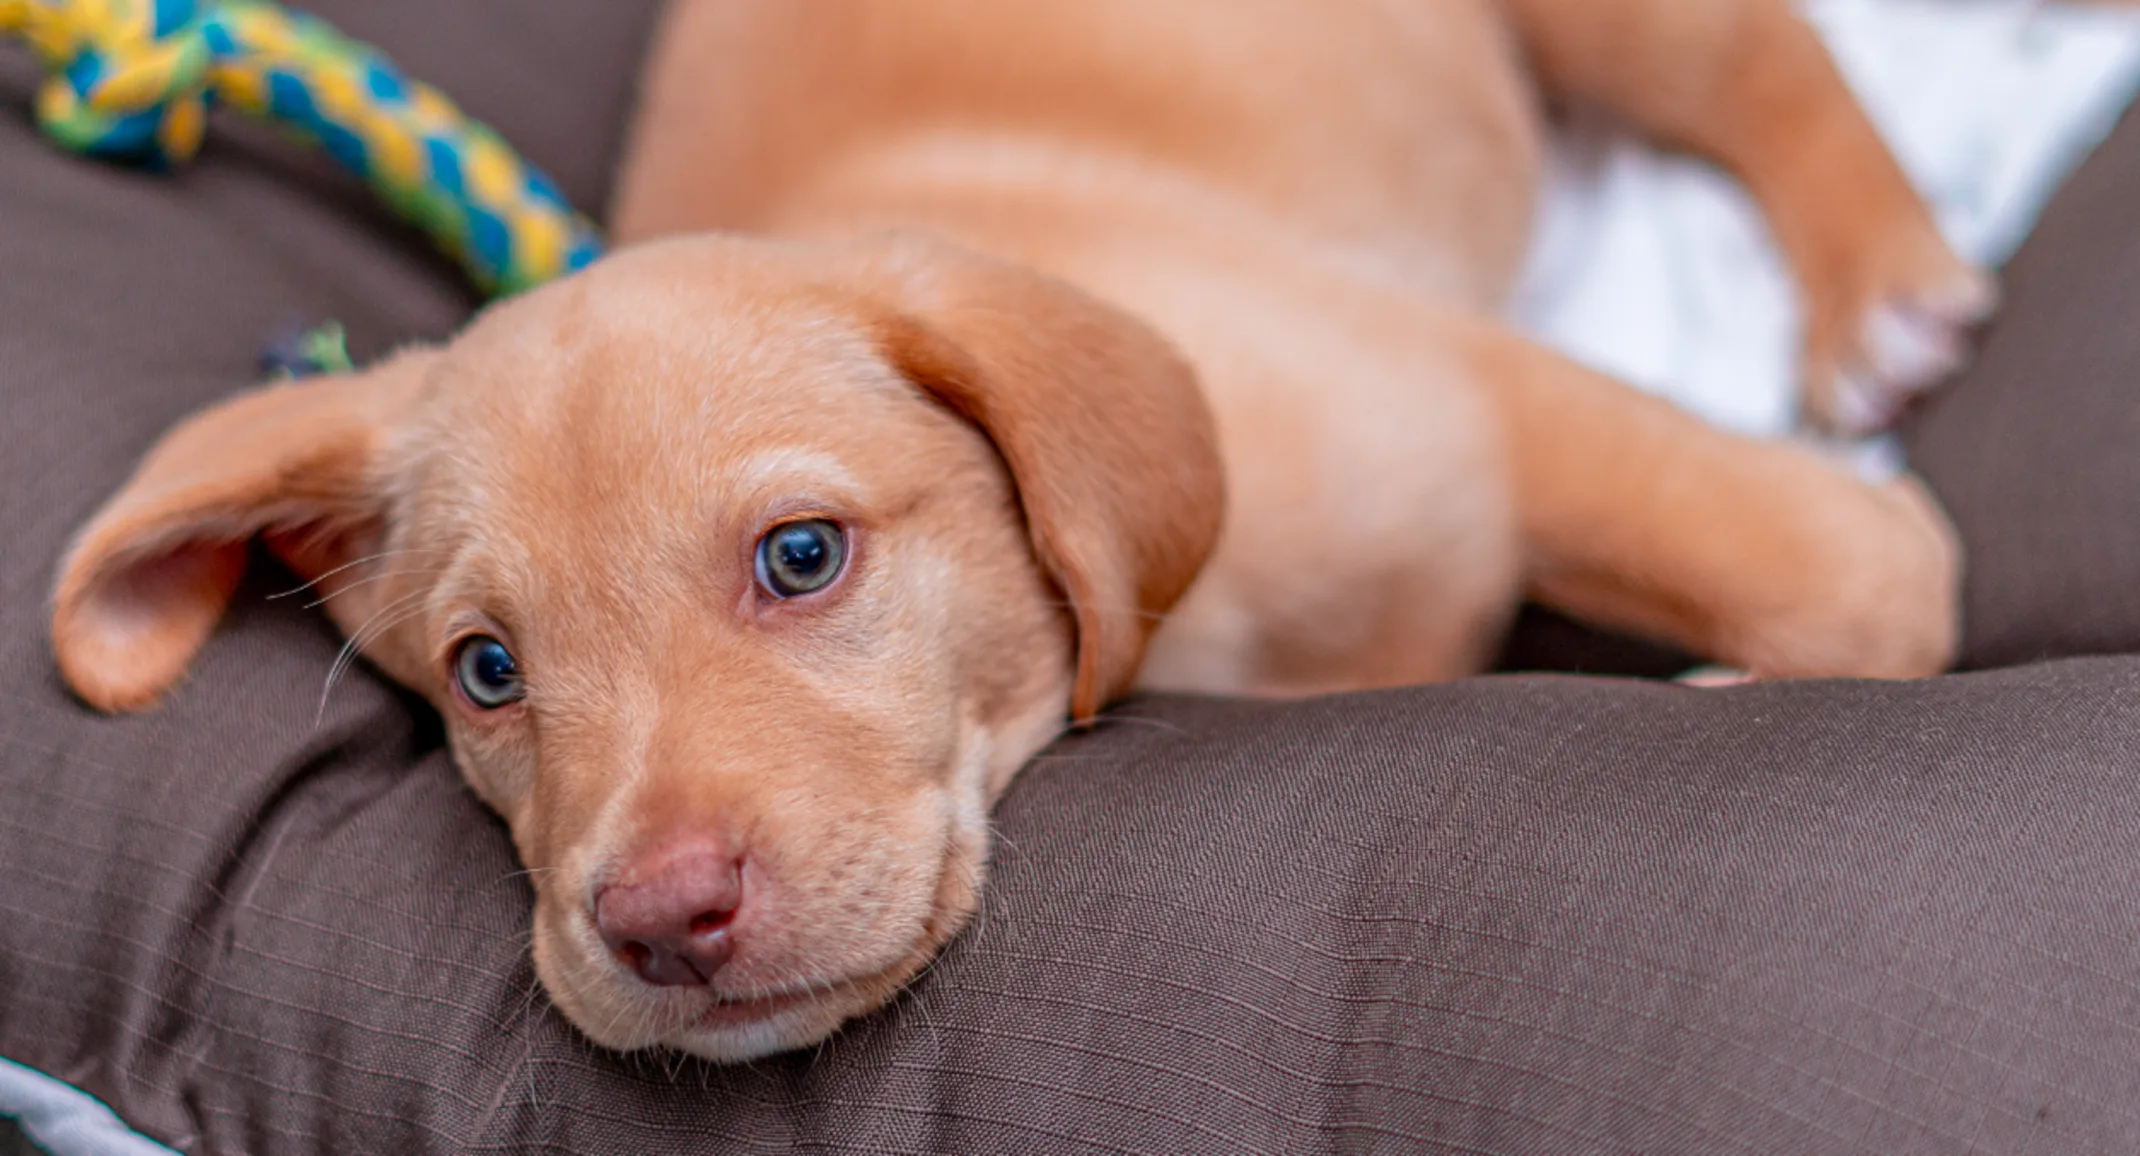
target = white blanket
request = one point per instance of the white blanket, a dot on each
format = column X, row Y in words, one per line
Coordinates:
column 1659, row 270
column 64, row 1120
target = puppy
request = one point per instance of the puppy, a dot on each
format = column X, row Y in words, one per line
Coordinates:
column 975, row 361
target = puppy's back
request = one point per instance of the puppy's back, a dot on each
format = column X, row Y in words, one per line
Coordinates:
column 1369, row 124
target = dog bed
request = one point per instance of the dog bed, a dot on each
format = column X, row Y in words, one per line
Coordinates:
column 1529, row 913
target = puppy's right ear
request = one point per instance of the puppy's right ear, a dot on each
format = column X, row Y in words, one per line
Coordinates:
column 1099, row 419
column 149, row 576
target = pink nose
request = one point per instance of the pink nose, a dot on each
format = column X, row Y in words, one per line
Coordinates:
column 667, row 914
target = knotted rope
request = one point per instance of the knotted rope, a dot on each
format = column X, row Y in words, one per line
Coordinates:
column 135, row 79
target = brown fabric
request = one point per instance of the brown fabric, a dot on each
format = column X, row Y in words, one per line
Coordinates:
column 1516, row 915
column 2035, row 449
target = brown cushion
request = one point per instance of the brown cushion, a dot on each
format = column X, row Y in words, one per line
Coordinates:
column 2035, row 449
column 1528, row 915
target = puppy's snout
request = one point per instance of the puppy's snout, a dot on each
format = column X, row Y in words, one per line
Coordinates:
column 668, row 914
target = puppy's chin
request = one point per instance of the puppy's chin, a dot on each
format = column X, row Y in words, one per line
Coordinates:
column 620, row 1013
column 734, row 1032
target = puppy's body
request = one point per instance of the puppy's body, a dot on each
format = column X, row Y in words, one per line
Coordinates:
column 1324, row 205
column 752, row 809
column 1397, row 140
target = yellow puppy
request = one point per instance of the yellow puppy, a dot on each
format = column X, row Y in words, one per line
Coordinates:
column 1081, row 346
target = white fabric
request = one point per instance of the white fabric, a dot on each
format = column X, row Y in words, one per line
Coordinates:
column 1659, row 270
column 66, row 1121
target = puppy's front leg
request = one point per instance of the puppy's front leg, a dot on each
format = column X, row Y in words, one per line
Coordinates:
column 1748, row 83
column 1761, row 555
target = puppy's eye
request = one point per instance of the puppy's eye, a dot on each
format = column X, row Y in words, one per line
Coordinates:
column 800, row 557
column 487, row 673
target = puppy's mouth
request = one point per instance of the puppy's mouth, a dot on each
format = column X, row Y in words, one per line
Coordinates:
column 843, row 996
column 730, row 1028
column 729, row 1011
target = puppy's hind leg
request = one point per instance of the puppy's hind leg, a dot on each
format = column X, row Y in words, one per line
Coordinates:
column 1760, row 555
column 1749, row 84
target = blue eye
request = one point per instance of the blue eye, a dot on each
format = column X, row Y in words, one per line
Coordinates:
column 800, row 557
column 487, row 673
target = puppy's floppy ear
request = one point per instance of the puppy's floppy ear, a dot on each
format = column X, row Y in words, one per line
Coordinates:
column 1101, row 422
column 148, row 577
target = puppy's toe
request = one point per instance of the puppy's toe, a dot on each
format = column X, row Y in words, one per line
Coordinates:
column 1868, row 362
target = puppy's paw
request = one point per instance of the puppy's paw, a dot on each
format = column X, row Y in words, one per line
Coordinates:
column 1890, row 328
column 1881, row 598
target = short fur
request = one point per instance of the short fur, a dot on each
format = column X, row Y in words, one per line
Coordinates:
column 1123, row 337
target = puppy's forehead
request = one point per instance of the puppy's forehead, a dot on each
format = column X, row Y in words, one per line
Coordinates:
column 619, row 360
column 662, row 391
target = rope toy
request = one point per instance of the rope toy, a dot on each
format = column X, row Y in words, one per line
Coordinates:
column 134, row 79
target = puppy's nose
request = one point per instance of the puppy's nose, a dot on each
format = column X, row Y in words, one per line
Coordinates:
column 667, row 915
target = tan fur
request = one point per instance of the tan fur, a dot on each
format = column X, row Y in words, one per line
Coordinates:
column 1319, row 206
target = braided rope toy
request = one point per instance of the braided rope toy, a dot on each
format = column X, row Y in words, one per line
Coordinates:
column 135, row 79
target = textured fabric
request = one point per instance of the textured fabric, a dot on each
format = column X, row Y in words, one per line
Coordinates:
column 1527, row 915
column 1509, row 916
column 2036, row 448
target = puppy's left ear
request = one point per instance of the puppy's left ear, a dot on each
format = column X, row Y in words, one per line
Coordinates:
column 1100, row 420
column 148, row 577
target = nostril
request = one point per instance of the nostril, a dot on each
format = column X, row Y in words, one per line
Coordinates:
column 669, row 919
column 666, row 965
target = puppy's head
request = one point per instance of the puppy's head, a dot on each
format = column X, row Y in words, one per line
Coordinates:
column 744, row 575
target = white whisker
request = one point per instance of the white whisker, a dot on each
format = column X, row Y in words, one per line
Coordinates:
column 362, row 582
column 368, row 558
column 404, row 608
